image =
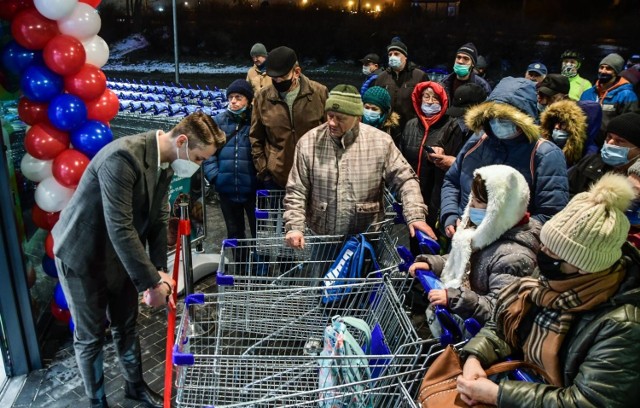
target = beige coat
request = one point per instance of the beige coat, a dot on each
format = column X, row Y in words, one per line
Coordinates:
column 257, row 79
column 336, row 185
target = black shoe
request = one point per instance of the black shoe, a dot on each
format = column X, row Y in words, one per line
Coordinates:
column 142, row 393
column 99, row 402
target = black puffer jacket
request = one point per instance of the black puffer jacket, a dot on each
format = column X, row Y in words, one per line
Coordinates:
column 600, row 354
column 400, row 86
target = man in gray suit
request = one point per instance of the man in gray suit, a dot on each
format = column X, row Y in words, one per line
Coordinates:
column 120, row 206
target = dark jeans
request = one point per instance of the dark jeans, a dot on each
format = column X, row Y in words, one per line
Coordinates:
column 233, row 214
column 92, row 297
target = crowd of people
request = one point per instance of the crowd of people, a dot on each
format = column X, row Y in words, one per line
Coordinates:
column 531, row 184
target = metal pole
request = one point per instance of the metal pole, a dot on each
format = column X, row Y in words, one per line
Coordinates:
column 187, row 268
column 176, row 61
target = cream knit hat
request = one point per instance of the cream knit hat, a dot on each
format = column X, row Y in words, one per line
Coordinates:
column 589, row 232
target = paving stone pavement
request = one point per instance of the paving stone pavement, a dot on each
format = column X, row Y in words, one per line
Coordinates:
column 58, row 384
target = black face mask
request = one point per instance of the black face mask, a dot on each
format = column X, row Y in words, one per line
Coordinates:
column 550, row 268
column 604, row 78
column 283, row 86
column 262, row 66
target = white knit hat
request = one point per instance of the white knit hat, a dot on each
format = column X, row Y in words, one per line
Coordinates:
column 589, row 232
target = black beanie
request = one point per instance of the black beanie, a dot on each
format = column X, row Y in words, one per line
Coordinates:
column 627, row 126
column 470, row 50
column 242, row 87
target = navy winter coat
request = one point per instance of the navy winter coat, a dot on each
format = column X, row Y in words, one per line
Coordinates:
column 231, row 169
column 546, row 174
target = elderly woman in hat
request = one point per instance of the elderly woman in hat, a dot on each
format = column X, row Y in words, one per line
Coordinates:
column 579, row 321
column 378, row 113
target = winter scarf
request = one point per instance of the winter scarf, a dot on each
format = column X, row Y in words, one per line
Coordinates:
column 558, row 301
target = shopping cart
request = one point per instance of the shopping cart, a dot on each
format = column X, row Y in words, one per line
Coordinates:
column 246, row 264
column 270, row 211
column 260, row 348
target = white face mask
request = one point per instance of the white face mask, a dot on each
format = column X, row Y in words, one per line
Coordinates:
column 184, row 168
column 366, row 70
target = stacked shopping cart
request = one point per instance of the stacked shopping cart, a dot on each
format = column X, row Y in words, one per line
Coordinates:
column 257, row 342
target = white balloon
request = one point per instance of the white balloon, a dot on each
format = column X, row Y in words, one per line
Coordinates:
column 83, row 22
column 52, row 196
column 97, row 51
column 55, row 9
column 35, row 169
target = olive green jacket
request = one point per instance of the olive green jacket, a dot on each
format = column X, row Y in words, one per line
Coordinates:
column 600, row 354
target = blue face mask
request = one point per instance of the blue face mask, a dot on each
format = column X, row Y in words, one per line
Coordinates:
column 614, row 156
column 461, row 70
column 371, row 117
column 430, row 109
column 476, row 215
column 560, row 137
column 395, row 62
column 236, row 112
column 503, row 128
column 633, row 213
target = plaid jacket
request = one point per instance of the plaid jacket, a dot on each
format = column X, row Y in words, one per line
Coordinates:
column 336, row 186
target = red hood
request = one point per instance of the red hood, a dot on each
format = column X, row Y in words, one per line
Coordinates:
column 416, row 98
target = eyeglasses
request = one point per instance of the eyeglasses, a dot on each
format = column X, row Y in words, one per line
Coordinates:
column 430, row 98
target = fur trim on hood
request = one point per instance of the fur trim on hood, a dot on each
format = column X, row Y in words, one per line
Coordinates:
column 477, row 119
column 508, row 195
column 569, row 113
column 392, row 121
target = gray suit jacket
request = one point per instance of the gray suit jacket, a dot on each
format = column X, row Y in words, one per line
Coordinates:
column 116, row 210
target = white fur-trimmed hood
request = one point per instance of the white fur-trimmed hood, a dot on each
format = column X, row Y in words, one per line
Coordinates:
column 508, row 196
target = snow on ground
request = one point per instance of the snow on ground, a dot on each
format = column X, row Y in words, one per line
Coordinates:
column 138, row 41
column 151, row 66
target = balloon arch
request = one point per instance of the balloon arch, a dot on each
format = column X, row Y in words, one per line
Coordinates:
column 58, row 55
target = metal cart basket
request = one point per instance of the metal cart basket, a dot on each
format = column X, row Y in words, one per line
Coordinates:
column 270, row 211
column 261, row 348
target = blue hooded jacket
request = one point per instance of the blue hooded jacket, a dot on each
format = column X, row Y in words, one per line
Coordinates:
column 231, row 169
column 541, row 163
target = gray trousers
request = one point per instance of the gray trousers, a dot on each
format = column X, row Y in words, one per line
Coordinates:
column 93, row 297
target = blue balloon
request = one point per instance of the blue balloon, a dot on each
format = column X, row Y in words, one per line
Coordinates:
column 67, row 112
column 58, row 296
column 90, row 137
column 16, row 58
column 49, row 266
column 40, row 84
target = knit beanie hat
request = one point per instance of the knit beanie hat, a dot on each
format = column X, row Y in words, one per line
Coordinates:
column 258, row 50
column 398, row 46
column 377, row 95
column 589, row 232
column 615, row 61
column 470, row 50
column 626, row 126
column 241, row 87
column 344, row 99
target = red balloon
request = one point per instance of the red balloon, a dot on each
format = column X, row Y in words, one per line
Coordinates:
column 64, row 55
column 31, row 112
column 89, row 83
column 104, row 108
column 92, row 3
column 45, row 142
column 59, row 313
column 9, row 8
column 44, row 219
column 68, row 167
column 48, row 245
column 32, row 30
